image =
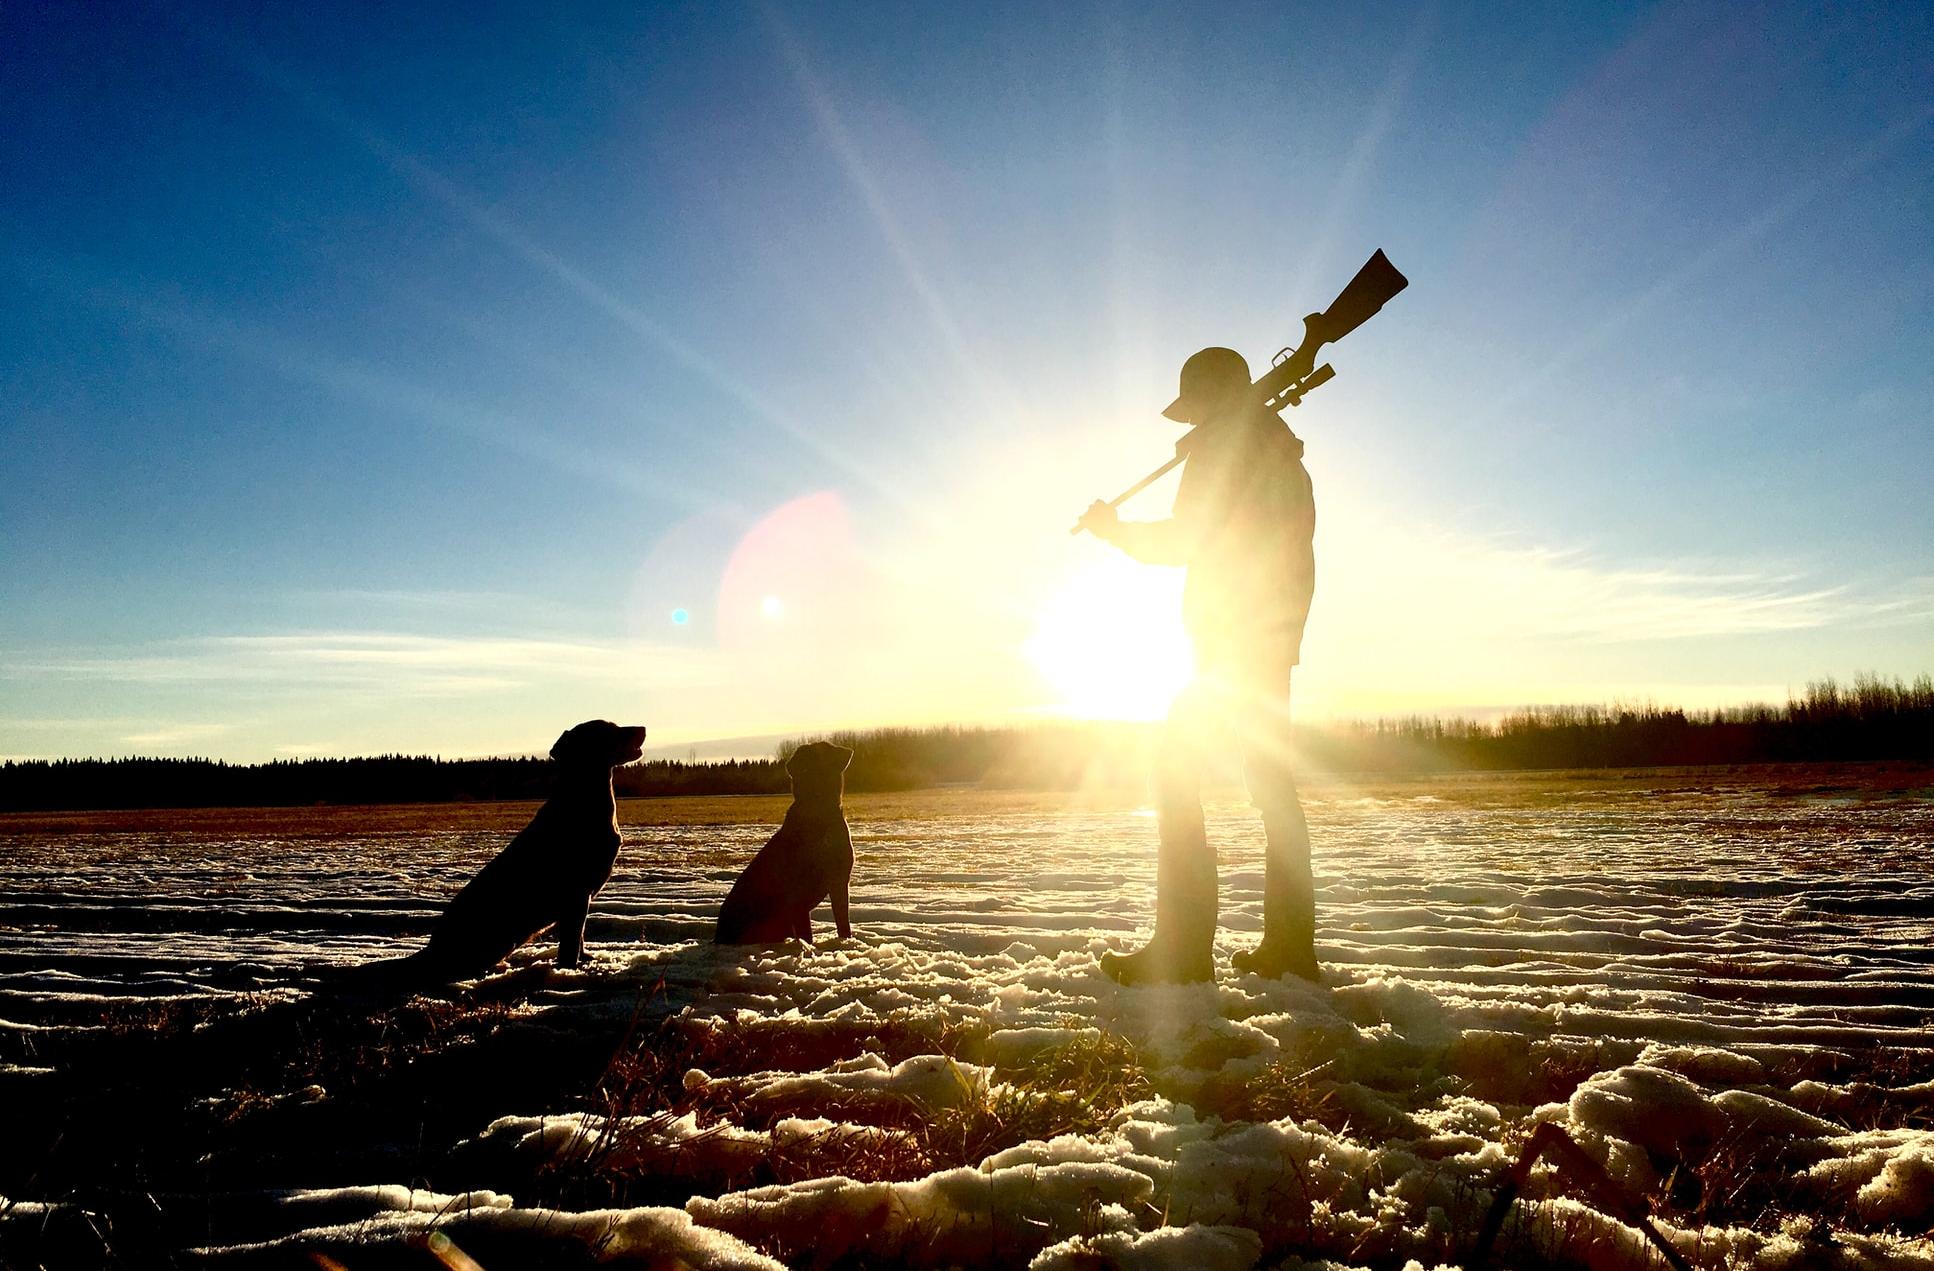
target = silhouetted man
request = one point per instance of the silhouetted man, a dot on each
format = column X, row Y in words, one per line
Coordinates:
column 1243, row 523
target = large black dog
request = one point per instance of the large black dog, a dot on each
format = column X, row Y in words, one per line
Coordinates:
column 808, row 860
column 546, row 877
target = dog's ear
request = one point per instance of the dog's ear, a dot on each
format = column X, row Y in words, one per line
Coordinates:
column 818, row 756
column 585, row 740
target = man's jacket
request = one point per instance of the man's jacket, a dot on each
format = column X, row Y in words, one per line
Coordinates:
column 1244, row 523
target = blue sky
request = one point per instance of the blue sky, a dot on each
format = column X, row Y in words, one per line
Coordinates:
column 382, row 381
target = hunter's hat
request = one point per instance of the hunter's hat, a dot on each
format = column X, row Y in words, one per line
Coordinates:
column 1209, row 379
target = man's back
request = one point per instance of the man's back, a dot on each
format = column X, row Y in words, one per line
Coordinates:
column 1247, row 509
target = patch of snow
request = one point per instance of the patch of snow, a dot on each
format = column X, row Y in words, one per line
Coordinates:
column 962, row 1216
column 504, row 1235
column 1194, row 1248
column 856, row 1086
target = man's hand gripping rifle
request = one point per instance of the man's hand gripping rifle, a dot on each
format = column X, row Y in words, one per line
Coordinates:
column 1294, row 371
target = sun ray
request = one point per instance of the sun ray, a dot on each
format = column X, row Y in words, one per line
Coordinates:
column 1702, row 262
column 432, row 183
column 996, row 399
column 347, row 379
column 1363, row 152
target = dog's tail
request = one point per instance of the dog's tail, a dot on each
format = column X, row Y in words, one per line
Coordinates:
column 384, row 980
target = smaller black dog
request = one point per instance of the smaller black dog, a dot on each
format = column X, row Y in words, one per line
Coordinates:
column 809, row 859
column 545, row 878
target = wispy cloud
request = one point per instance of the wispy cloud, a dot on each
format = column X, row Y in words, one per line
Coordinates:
column 1445, row 586
column 1573, row 595
column 424, row 599
column 178, row 734
column 404, row 664
column 107, row 734
column 305, row 749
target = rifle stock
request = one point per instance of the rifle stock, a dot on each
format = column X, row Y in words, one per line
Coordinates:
column 1367, row 293
column 1355, row 305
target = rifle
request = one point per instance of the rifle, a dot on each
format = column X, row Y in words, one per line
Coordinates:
column 1293, row 373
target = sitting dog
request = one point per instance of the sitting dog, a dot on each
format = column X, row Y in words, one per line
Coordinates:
column 546, row 877
column 809, row 859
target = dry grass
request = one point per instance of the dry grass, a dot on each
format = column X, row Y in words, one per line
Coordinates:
column 1074, row 1088
column 1070, row 1089
column 193, row 1095
column 1546, row 1070
column 1295, row 1088
column 204, row 1097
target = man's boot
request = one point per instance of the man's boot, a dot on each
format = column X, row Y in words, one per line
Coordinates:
column 1279, row 956
column 1288, row 902
column 1163, row 960
column 1182, row 950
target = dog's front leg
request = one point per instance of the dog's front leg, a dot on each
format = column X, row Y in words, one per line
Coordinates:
column 841, row 919
column 570, row 933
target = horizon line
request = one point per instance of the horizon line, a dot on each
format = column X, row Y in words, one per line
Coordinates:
column 769, row 743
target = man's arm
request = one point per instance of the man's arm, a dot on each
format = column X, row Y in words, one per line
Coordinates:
column 1165, row 542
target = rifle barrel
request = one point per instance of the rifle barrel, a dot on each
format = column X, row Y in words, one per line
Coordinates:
column 1139, row 486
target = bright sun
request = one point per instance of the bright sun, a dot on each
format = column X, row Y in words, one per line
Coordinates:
column 1110, row 643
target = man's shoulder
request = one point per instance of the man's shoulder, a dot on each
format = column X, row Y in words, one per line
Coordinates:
column 1279, row 449
column 1271, row 452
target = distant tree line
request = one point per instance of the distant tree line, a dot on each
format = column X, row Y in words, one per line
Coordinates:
column 193, row 783
column 1870, row 719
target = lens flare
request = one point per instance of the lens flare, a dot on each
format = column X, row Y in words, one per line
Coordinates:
column 790, row 579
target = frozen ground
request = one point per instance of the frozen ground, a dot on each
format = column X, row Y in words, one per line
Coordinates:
column 1719, row 983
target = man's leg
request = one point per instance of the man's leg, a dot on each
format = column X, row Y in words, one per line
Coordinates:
column 1289, row 892
column 1183, row 947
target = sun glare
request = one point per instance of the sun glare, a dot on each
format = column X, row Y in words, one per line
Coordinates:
column 1109, row 642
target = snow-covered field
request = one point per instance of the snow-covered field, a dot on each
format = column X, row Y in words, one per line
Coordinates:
column 1718, row 983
